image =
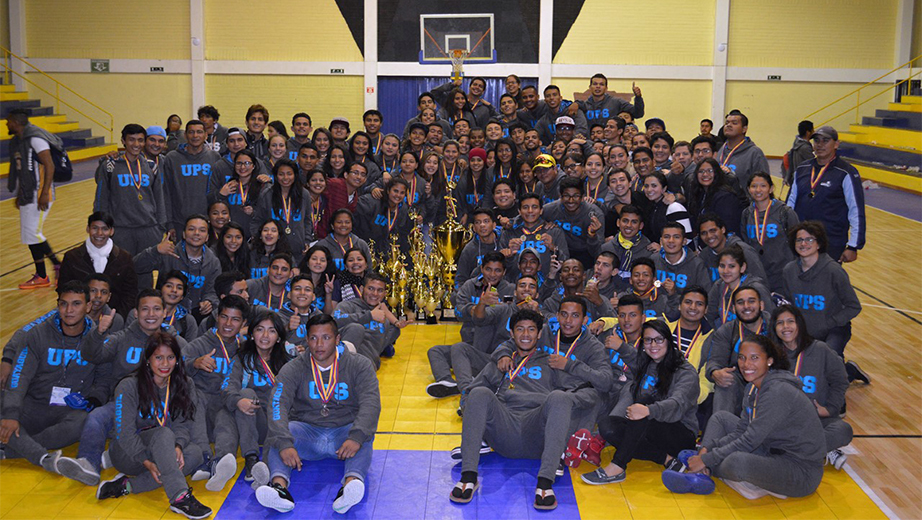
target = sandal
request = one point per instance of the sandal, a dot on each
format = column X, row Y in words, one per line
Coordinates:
column 463, row 492
column 545, row 499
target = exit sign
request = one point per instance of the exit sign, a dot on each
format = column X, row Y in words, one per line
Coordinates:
column 337, row 71
column 774, row 78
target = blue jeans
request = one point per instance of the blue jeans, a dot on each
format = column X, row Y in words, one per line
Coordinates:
column 316, row 443
column 96, row 429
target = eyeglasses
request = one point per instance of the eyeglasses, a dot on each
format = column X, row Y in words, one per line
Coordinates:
column 245, row 164
column 706, row 171
column 659, row 340
column 804, row 240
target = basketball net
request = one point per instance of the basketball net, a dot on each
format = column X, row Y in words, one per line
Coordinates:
column 457, row 60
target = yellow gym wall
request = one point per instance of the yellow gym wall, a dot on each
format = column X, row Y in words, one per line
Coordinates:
column 624, row 32
column 323, row 97
column 281, row 30
column 774, row 109
column 682, row 104
column 146, row 99
column 108, row 29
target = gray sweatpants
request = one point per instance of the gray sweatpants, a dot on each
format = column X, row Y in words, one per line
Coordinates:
column 440, row 361
column 368, row 342
column 730, row 399
column 467, row 362
column 44, row 428
column 781, row 474
column 135, row 240
column 539, row 433
column 838, row 432
column 221, row 426
column 251, row 428
column 160, row 442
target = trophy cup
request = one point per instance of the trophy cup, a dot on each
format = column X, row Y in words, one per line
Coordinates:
column 450, row 237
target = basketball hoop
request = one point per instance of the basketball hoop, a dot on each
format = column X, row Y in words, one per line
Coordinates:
column 457, row 60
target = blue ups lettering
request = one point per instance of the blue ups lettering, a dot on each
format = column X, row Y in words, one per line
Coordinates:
column 196, row 282
column 814, row 302
column 649, row 382
column 133, row 356
column 576, row 230
column 125, row 180
column 194, row 170
column 809, row 384
column 63, row 356
column 681, row 280
column 597, row 114
column 539, row 245
column 340, row 394
column 771, row 232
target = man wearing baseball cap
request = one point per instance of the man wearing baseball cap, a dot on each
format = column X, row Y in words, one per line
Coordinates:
column 829, row 189
column 339, row 127
column 154, row 145
column 546, row 171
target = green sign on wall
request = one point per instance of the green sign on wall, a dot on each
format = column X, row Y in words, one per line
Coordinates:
column 99, row 65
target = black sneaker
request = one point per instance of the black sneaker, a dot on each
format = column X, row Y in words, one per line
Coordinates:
column 275, row 496
column 117, row 487
column 675, row 465
column 248, row 462
column 189, row 506
column 484, row 449
column 441, row 389
column 388, row 352
column 855, row 373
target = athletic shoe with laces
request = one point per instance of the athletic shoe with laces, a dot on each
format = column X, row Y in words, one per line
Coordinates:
column 260, row 473
column 78, row 469
column 117, row 487
column 348, row 496
column 441, row 389
column 50, row 461
column 484, row 449
column 222, row 470
column 36, row 282
column 203, row 472
column 248, row 462
column 675, row 465
column 189, row 506
column 275, row 496
column 836, row 458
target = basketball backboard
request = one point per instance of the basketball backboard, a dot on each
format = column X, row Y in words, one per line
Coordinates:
column 439, row 34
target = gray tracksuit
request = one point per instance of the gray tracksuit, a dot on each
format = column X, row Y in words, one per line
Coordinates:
column 377, row 335
column 201, row 275
column 298, row 336
column 753, row 260
column 655, row 302
column 576, row 226
column 467, row 296
column 222, row 174
column 338, row 252
column 774, row 251
column 689, row 271
column 547, row 125
column 552, row 304
column 679, row 405
column 623, row 362
column 776, row 443
column 531, row 239
column 551, row 190
column 746, row 160
column 587, row 364
column 720, row 299
column 216, row 424
column 302, row 230
column 138, row 439
column 721, row 349
column 124, row 349
column 824, row 294
column 246, row 383
column 471, row 256
column 626, row 257
column 532, row 419
column 801, row 152
column 48, row 360
column 17, row 341
column 186, row 179
column 356, row 400
column 258, row 289
column 117, row 194
column 600, row 111
column 824, row 380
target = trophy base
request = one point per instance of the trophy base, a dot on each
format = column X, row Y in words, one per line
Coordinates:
column 432, row 320
column 448, row 315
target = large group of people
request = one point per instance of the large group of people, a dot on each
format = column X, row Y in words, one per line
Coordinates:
column 620, row 287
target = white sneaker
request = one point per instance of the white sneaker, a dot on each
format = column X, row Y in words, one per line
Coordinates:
column 749, row 490
column 223, row 470
column 78, row 469
column 106, row 460
column 349, row 495
column 260, row 474
column 836, row 459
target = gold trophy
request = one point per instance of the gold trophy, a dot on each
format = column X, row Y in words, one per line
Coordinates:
column 394, row 269
column 450, row 237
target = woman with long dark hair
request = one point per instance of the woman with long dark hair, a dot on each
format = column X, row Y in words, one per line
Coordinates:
column 387, row 156
column 710, row 192
column 218, row 217
column 349, row 281
column 250, row 384
column 822, row 373
column 316, row 188
column 655, row 417
column 267, row 241
column 154, row 424
column 506, row 166
column 241, row 192
column 288, row 203
column 319, row 265
column 765, row 227
column 379, row 220
column 231, row 249
column 474, row 189
column 338, row 162
column 323, row 140
column 457, row 107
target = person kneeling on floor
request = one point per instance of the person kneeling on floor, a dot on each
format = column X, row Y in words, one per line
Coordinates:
column 325, row 404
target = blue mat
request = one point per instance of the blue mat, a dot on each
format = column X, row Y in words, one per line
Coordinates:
column 411, row 485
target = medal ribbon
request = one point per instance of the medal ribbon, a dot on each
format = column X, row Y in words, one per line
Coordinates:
column 244, row 192
column 504, row 175
column 755, row 403
column 760, row 232
column 653, row 290
column 727, row 158
column 572, row 346
column 161, row 418
column 515, row 373
column 725, row 307
column 131, row 175
column 326, row 391
column 343, row 248
column 269, row 299
column 595, row 194
column 816, row 177
column 286, row 206
column 268, row 371
column 678, row 335
column 391, row 220
column 800, row 358
column 224, row 349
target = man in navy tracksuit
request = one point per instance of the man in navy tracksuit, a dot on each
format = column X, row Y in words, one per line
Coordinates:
column 829, row 189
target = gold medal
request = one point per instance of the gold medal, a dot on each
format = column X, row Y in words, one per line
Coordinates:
column 288, row 231
column 140, row 197
column 511, row 386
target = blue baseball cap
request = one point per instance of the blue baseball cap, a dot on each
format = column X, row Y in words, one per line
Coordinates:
column 156, row 130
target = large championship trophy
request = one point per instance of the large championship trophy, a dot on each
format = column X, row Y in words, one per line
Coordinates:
column 450, row 237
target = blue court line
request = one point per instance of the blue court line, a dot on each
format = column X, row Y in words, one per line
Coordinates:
column 411, row 485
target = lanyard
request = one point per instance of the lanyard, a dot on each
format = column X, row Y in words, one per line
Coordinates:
column 268, row 370
column 378, row 144
column 504, row 175
column 341, row 246
column 595, row 194
column 760, row 231
column 224, row 348
column 244, row 192
column 391, row 220
column 514, row 373
column 678, row 335
column 286, row 206
column 816, row 177
column 269, row 298
column 411, row 196
column 653, row 290
column 727, row 158
column 161, row 418
column 572, row 346
column 800, row 358
column 725, row 306
column 137, row 183
column 755, row 402
column 325, row 390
